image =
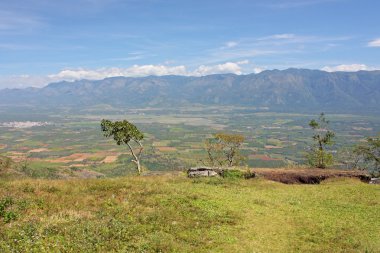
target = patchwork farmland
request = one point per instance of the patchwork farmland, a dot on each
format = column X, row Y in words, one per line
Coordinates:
column 65, row 143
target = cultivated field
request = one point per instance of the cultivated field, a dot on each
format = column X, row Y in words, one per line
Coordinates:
column 67, row 143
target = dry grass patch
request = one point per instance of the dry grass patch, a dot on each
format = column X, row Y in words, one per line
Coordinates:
column 110, row 159
column 263, row 157
column 166, row 149
column 77, row 157
column 272, row 147
column 16, row 156
column 38, row 150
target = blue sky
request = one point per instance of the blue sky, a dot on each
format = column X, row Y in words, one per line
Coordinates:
column 43, row 41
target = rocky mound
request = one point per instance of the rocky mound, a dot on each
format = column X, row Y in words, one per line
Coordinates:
column 308, row 176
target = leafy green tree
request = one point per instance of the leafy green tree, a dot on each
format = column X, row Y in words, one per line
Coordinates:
column 215, row 155
column 124, row 132
column 346, row 157
column 368, row 155
column 224, row 149
column 318, row 155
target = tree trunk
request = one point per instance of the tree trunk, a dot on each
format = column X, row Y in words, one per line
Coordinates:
column 138, row 167
column 321, row 160
column 136, row 157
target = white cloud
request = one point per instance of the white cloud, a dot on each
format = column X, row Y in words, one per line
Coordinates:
column 258, row 70
column 146, row 70
column 231, row 44
column 279, row 36
column 134, row 71
column 157, row 70
column 347, row 68
column 290, row 38
column 12, row 21
column 284, row 36
column 22, row 81
column 243, row 62
column 228, row 67
column 374, row 43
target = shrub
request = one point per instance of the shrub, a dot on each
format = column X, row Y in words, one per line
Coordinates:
column 28, row 189
column 236, row 173
column 323, row 137
column 51, row 189
column 320, row 158
column 5, row 163
column 249, row 174
column 7, row 215
column 4, row 204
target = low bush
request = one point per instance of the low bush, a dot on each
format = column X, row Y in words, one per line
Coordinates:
column 235, row 173
column 7, row 215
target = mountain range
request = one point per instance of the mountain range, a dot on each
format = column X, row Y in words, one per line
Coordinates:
column 278, row 90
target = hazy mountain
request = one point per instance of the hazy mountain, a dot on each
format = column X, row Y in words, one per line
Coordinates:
column 286, row 90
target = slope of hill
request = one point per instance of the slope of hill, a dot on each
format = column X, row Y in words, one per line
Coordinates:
column 286, row 90
column 176, row 214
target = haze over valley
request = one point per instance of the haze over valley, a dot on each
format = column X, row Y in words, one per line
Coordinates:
column 291, row 90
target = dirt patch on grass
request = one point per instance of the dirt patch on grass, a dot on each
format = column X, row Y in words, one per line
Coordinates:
column 88, row 158
column 77, row 165
column 2, row 146
column 16, row 156
column 308, row 176
column 272, row 147
column 88, row 174
column 263, row 157
column 166, row 149
column 110, row 159
column 38, row 150
column 77, row 157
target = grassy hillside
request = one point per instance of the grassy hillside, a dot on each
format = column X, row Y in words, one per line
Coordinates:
column 175, row 214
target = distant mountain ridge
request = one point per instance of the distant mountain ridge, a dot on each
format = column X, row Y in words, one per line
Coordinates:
column 280, row 90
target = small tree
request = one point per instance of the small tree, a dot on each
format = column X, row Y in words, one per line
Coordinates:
column 124, row 132
column 346, row 157
column 224, row 149
column 368, row 155
column 318, row 156
column 214, row 149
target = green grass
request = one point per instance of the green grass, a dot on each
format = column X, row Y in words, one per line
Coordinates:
column 175, row 214
column 42, row 169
